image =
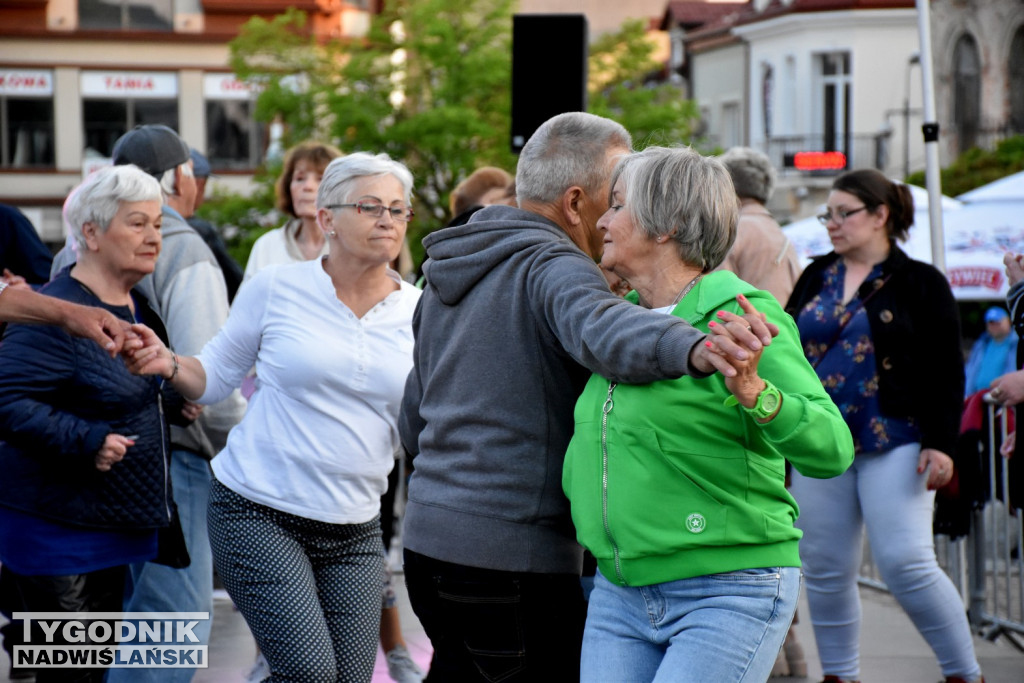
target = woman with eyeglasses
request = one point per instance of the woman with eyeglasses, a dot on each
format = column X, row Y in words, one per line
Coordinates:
column 883, row 333
column 300, row 239
column 295, row 506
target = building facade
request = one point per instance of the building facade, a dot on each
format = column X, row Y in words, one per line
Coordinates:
column 844, row 76
column 76, row 74
column 978, row 53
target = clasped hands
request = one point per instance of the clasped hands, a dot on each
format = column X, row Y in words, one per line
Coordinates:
column 734, row 349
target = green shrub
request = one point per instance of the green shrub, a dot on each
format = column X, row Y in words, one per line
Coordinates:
column 977, row 167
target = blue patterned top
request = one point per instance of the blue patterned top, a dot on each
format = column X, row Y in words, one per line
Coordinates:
column 847, row 369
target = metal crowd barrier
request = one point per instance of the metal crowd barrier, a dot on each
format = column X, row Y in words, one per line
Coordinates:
column 986, row 565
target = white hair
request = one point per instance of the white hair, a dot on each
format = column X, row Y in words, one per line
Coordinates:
column 167, row 184
column 341, row 175
column 101, row 194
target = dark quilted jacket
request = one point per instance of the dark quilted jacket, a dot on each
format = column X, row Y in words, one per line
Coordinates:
column 59, row 398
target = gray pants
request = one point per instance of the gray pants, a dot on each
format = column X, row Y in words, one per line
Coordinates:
column 882, row 493
column 310, row 591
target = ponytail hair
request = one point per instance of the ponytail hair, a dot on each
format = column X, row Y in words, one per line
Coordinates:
column 874, row 189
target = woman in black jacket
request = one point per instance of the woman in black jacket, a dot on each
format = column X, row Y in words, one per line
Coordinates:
column 83, row 442
column 883, row 334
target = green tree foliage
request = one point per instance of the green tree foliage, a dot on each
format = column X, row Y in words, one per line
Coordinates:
column 452, row 63
column 621, row 87
column 977, row 167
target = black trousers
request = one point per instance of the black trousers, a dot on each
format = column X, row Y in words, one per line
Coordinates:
column 98, row 591
column 488, row 625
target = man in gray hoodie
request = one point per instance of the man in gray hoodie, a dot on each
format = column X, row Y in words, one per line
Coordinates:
column 514, row 318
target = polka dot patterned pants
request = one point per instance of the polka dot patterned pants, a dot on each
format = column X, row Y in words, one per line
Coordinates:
column 310, row 591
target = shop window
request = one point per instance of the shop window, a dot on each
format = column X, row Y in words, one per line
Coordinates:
column 26, row 118
column 27, row 137
column 233, row 139
column 108, row 119
column 126, row 15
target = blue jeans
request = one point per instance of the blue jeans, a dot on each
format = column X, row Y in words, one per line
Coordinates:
column 720, row 627
column 883, row 493
column 155, row 588
column 490, row 625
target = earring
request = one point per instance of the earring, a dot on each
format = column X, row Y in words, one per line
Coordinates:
column 332, row 233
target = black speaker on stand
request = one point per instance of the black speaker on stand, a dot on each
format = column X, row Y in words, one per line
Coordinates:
column 549, row 70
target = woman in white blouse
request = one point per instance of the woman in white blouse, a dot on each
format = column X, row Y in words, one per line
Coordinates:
column 294, row 509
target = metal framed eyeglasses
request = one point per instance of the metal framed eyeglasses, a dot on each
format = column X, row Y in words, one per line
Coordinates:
column 402, row 214
column 839, row 216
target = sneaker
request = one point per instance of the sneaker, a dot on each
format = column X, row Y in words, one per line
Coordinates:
column 260, row 670
column 401, row 668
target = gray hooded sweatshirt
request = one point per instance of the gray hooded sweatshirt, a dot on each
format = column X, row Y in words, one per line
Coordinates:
column 513, row 320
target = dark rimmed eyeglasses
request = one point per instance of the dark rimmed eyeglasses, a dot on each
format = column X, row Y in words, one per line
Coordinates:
column 839, row 216
column 398, row 213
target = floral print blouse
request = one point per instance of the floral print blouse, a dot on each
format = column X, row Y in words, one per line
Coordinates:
column 844, row 358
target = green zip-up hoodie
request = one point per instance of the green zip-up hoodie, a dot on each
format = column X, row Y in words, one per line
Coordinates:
column 667, row 482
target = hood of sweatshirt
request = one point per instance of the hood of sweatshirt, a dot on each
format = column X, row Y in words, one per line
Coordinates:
column 459, row 257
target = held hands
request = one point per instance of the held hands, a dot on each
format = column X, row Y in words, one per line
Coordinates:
column 113, row 450
column 14, row 281
column 939, row 466
column 149, row 356
column 733, row 340
column 100, row 325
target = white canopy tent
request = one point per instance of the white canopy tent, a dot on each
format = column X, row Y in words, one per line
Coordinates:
column 1008, row 189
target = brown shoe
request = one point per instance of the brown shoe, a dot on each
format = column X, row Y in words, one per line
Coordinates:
column 837, row 679
column 957, row 679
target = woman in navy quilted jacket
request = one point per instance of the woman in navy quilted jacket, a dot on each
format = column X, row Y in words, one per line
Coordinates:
column 83, row 441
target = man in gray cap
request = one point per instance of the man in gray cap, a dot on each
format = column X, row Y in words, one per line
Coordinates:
column 187, row 289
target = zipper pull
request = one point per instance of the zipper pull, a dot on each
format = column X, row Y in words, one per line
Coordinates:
column 608, row 402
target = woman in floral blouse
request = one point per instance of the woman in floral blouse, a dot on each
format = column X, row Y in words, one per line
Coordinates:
column 883, row 334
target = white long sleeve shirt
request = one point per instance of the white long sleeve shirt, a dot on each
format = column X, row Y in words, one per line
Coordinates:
column 319, row 437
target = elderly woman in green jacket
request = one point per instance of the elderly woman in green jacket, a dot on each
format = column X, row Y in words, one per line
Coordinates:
column 677, row 487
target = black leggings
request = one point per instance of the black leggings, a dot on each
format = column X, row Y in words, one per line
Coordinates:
column 98, row 591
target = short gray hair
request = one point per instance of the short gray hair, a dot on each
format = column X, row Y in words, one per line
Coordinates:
column 167, row 184
column 342, row 173
column 752, row 173
column 99, row 197
column 568, row 149
column 678, row 193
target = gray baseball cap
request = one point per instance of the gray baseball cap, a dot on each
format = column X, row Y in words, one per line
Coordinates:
column 154, row 148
